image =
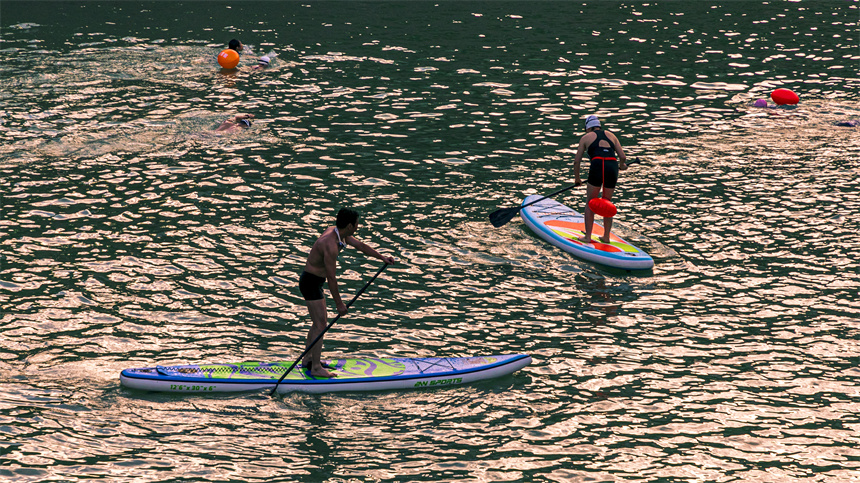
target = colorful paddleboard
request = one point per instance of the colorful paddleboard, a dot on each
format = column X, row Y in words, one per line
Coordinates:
column 364, row 374
column 562, row 226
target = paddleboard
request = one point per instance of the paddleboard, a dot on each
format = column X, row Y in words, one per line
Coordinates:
column 360, row 374
column 562, row 226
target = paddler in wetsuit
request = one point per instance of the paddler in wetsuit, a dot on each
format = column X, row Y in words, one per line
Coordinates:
column 321, row 266
column 607, row 157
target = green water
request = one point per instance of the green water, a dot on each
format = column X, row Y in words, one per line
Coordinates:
column 132, row 235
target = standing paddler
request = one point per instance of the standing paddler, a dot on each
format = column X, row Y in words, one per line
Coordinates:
column 321, row 266
column 607, row 157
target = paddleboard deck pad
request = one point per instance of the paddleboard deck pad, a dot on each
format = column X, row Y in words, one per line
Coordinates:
column 562, row 226
column 361, row 374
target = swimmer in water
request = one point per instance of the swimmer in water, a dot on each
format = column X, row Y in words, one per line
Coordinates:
column 236, row 122
column 764, row 103
column 263, row 63
column 236, row 45
column 849, row 123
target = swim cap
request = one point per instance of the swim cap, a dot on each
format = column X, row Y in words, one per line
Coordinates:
column 264, row 60
column 246, row 122
column 591, row 121
column 760, row 103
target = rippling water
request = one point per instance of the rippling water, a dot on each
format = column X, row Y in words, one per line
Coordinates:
column 133, row 235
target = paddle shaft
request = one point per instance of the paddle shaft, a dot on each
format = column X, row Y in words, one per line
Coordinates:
column 548, row 196
column 319, row 337
column 633, row 161
column 504, row 215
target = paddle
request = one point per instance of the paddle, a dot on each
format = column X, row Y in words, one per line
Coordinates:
column 326, row 329
column 502, row 216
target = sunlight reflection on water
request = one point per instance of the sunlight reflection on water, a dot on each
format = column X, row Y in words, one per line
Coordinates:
column 132, row 235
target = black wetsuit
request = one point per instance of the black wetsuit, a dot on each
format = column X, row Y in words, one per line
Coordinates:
column 604, row 165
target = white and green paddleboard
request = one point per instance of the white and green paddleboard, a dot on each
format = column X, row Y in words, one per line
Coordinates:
column 361, row 374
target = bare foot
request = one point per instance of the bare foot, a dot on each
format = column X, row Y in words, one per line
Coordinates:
column 328, row 364
column 605, row 240
column 322, row 373
column 585, row 240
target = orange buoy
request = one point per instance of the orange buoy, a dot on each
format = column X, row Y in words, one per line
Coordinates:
column 228, row 58
column 784, row 96
column 602, row 207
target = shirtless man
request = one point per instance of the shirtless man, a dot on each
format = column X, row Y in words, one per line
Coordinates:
column 322, row 266
column 602, row 147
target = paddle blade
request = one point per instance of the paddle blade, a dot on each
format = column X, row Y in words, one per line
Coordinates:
column 501, row 217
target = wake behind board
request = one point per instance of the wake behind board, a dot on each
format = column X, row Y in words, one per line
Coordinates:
column 364, row 374
column 562, row 226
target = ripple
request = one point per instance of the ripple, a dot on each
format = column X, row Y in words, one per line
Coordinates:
column 132, row 235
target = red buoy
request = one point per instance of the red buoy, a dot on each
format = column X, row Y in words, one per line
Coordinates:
column 228, row 59
column 602, row 207
column 784, row 96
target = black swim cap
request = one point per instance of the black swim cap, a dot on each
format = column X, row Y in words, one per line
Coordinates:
column 235, row 45
column 246, row 122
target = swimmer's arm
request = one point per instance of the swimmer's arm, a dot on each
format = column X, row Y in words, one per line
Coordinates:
column 367, row 250
column 239, row 117
column 229, row 123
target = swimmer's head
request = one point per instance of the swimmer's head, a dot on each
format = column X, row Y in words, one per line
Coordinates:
column 235, row 45
column 245, row 122
column 591, row 121
column 264, row 60
column 760, row 103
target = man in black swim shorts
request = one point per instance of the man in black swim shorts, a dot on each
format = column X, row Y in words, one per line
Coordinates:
column 311, row 286
column 321, row 266
column 607, row 157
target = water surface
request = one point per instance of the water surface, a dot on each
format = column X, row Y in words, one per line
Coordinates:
column 132, row 235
